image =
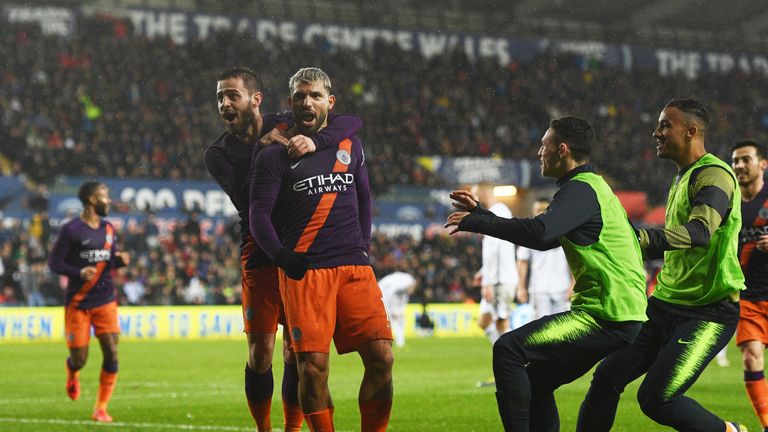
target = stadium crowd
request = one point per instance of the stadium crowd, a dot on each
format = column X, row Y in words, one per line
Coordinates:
column 143, row 104
column 148, row 106
column 183, row 267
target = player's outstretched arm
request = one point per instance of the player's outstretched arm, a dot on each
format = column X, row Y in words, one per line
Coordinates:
column 572, row 206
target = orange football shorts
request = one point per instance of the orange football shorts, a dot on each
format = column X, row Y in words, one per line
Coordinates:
column 753, row 322
column 77, row 323
column 341, row 303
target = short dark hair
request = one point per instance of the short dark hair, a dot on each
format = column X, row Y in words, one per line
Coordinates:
column 692, row 107
column 249, row 76
column 87, row 189
column 577, row 133
column 759, row 147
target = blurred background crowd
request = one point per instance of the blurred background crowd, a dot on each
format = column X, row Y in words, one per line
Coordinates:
column 187, row 268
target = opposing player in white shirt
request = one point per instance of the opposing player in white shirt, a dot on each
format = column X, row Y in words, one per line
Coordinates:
column 395, row 289
column 545, row 278
column 498, row 273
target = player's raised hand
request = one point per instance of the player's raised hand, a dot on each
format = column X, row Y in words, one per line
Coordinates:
column 87, row 273
column 454, row 219
column 300, row 145
column 275, row 135
column 464, row 200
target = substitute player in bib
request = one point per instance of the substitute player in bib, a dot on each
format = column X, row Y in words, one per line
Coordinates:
column 228, row 160
column 86, row 252
column 693, row 311
column 320, row 239
column 587, row 220
column 749, row 165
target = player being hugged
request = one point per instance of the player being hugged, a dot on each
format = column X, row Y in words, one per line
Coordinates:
column 312, row 216
column 228, row 160
column 86, row 252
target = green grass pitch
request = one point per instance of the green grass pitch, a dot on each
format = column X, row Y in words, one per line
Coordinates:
column 197, row 385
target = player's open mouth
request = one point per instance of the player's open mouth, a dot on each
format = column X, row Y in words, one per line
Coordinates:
column 229, row 116
column 308, row 117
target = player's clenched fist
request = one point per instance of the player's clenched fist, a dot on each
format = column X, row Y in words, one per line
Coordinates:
column 300, row 145
column 87, row 273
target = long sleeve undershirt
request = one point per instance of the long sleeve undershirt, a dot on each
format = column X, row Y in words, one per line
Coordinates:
column 574, row 212
column 712, row 191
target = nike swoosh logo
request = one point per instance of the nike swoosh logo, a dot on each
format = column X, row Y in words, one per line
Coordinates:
column 684, row 342
column 293, row 166
column 85, row 242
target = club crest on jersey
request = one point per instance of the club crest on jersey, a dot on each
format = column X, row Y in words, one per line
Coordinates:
column 344, row 157
column 763, row 213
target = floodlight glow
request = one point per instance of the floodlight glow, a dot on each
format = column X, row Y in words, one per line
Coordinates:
column 505, row 191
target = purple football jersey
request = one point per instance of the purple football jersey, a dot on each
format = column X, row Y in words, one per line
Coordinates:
column 79, row 246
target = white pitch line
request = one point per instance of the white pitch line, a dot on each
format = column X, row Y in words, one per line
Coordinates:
column 129, row 425
column 166, row 384
column 118, row 396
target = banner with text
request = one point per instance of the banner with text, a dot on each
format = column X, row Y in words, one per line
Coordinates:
column 46, row 324
column 183, row 27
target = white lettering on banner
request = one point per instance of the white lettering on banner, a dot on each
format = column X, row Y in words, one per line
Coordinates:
column 26, row 14
column 146, row 197
column 179, row 27
column 692, row 63
column 594, row 50
column 210, row 24
column 160, row 24
column 475, row 169
column 394, row 230
column 52, row 20
column 723, row 63
column 760, row 64
column 672, row 62
column 495, row 48
column 432, row 44
column 212, row 202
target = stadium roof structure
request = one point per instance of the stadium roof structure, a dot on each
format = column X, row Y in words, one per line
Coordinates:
column 734, row 25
